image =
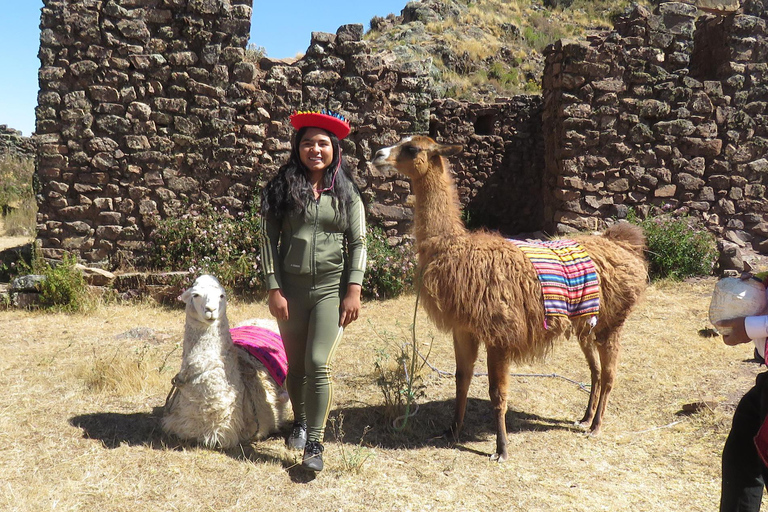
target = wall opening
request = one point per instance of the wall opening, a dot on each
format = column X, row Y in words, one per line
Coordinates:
column 485, row 123
column 710, row 50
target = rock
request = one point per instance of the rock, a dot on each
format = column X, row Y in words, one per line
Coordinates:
column 28, row 283
column 96, row 276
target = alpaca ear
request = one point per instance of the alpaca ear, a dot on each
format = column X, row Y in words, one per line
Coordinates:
column 449, row 149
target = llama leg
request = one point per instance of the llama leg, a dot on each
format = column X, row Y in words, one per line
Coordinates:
column 465, row 347
column 498, row 384
column 609, row 359
column 589, row 348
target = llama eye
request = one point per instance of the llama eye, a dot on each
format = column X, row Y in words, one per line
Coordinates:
column 411, row 150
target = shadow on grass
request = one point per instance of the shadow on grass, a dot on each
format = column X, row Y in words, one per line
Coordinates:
column 429, row 425
column 143, row 429
column 365, row 425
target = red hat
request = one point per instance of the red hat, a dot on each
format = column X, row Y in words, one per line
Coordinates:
column 325, row 119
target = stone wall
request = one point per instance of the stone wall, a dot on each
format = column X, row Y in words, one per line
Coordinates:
column 12, row 142
column 499, row 174
column 137, row 112
column 664, row 111
column 147, row 107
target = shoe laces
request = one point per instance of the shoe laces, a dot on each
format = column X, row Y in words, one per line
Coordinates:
column 298, row 430
column 314, row 448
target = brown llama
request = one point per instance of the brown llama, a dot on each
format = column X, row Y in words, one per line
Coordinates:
column 484, row 289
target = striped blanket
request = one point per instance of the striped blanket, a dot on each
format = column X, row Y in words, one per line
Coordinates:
column 264, row 345
column 567, row 275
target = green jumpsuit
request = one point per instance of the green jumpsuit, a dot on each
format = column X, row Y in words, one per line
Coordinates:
column 312, row 259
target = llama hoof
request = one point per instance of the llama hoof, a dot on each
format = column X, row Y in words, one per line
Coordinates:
column 499, row 457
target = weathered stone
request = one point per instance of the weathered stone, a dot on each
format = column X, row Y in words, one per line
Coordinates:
column 27, row 283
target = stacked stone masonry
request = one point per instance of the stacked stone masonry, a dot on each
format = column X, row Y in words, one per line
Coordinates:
column 668, row 110
column 148, row 107
column 13, row 143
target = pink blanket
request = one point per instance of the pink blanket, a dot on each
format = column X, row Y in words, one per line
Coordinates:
column 264, row 345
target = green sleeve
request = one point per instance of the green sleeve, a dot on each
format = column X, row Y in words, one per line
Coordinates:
column 270, row 236
column 358, row 254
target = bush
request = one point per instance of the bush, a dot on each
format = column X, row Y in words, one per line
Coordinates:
column 211, row 240
column 63, row 287
column 390, row 269
column 678, row 247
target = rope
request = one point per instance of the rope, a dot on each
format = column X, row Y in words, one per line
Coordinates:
column 411, row 375
column 170, row 400
column 443, row 373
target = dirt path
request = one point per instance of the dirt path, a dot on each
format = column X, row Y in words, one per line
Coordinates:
column 8, row 242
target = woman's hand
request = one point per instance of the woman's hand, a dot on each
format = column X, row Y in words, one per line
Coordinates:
column 350, row 306
column 738, row 332
column 278, row 305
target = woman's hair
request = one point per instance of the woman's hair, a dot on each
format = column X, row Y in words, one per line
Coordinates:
column 290, row 191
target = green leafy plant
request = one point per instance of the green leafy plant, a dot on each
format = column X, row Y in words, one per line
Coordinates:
column 63, row 287
column 398, row 375
column 678, row 247
column 209, row 239
column 390, row 269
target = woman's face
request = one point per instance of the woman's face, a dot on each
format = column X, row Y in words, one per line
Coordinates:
column 316, row 150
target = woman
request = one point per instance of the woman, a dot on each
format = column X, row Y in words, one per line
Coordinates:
column 744, row 470
column 314, row 256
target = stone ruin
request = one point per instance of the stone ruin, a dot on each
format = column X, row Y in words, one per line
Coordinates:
column 667, row 110
column 13, row 143
column 147, row 107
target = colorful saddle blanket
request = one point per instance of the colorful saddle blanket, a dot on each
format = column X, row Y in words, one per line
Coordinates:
column 567, row 275
column 264, row 345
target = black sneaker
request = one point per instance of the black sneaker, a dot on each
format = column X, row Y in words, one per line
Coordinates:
column 298, row 437
column 313, row 456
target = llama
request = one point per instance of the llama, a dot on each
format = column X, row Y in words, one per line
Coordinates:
column 484, row 289
column 222, row 394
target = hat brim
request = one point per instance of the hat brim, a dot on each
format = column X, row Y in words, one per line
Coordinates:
column 317, row 120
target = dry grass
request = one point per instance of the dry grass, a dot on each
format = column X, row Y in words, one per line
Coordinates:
column 79, row 424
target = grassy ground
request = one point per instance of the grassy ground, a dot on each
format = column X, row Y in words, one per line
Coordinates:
column 81, row 397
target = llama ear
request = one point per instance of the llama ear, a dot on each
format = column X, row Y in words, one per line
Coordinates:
column 449, row 149
column 186, row 296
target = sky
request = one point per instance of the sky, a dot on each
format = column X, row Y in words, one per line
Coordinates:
column 283, row 27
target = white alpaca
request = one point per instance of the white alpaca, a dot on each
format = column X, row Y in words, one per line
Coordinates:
column 222, row 395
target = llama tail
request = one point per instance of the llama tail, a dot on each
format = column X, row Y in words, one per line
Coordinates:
column 629, row 234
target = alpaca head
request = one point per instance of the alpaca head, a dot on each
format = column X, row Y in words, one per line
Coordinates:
column 206, row 299
column 415, row 156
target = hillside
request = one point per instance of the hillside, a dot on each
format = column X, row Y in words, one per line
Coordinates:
column 482, row 49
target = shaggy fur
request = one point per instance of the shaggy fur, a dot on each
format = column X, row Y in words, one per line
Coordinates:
column 485, row 290
column 223, row 396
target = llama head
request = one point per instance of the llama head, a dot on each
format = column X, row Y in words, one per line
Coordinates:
column 206, row 299
column 415, row 156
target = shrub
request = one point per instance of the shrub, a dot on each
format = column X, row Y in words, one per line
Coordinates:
column 390, row 269
column 399, row 377
column 211, row 240
column 678, row 247
column 64, row 287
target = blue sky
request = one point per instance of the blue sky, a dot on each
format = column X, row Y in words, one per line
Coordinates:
column 282, row 27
